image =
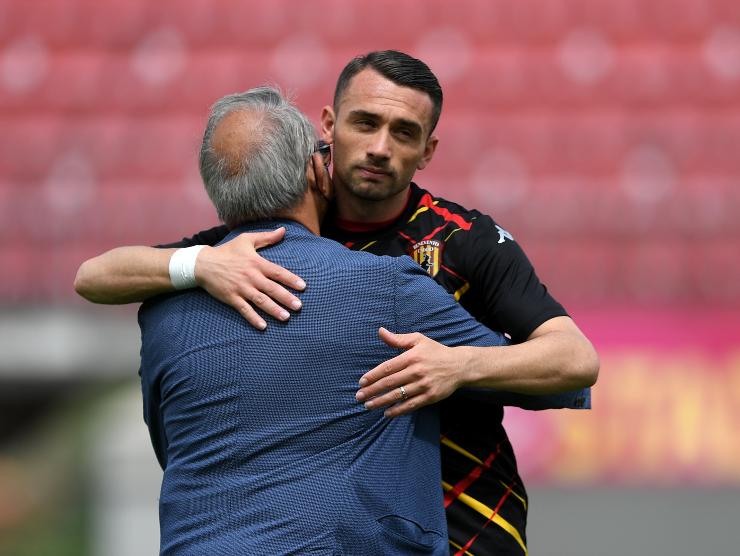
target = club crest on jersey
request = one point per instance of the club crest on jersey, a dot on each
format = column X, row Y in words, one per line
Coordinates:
column 428, row 254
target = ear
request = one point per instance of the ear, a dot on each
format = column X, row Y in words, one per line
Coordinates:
column 429, row 149
column 323, row 179
column 318, row 177
column 328, row 119
column 311, row 175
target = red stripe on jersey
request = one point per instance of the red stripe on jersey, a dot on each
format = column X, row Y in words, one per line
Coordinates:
column 434, row 232
column 404, row 236
column 427, row 201
column 452, row 272
column 468, row 544
column 455, row 492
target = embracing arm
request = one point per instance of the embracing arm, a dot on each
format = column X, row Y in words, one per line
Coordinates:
column 556, row 358
column 125, row 275
column 233, row 273
column 550, row 357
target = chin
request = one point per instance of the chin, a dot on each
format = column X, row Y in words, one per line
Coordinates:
column 371, row 191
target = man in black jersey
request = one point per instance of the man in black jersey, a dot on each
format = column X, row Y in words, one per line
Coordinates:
column 381, row 124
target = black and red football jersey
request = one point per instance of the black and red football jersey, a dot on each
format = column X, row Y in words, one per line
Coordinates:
column 469, row 254
column 480, row 263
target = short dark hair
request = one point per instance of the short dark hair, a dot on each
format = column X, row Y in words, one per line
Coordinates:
column 401, row 69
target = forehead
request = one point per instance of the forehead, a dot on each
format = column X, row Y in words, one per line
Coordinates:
column 369, row 91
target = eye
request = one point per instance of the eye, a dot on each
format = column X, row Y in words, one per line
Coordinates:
column 364, row 124
column 405, row 134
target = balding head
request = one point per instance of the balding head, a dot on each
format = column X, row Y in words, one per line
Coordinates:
column 254, row 155
column 236, row 138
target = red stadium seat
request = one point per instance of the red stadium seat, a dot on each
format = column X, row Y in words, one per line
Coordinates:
column 585, row 126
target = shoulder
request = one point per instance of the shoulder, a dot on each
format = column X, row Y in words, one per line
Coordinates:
column 426, row 202
column 318, row 258
column 480, row 222
column 472, row 220
column 472, row 229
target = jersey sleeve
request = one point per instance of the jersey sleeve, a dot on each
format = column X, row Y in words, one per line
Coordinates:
column 206, row 237
column 513, row 298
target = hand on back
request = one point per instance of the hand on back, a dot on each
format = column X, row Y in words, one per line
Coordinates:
column 235, row 274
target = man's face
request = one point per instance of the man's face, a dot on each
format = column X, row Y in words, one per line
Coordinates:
column 381, row 136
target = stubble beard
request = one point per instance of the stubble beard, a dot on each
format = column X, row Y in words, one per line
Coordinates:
column 371, row 190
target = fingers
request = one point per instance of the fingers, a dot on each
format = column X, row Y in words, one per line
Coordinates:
column 237, row 275
column 264, row 303
column 391, row 396
column 250, row 299
column 263, row 239
column 400, row 341
column 276, row 294
column 397, row 405
column 283, row 276
column 419, row 376
column 382, row 389
column 244, row 245
column 369, row 381
column 249, row 314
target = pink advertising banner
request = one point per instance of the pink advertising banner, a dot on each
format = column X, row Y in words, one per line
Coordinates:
column 666, row 408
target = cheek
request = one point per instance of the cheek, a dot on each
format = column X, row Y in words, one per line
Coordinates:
column 346, row 143
column 408, row 165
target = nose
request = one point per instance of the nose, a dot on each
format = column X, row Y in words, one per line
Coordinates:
column 379, row 146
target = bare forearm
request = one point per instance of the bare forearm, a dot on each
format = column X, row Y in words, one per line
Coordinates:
column 555, row 361
column 125, row 275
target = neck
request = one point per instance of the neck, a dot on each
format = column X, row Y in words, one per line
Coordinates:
column 307, row 214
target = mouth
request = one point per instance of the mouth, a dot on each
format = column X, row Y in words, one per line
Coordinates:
column 373, row 172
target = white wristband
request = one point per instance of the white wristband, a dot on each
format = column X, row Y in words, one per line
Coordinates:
column 182, row 267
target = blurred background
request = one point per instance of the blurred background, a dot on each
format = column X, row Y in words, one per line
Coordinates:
column 603, row 134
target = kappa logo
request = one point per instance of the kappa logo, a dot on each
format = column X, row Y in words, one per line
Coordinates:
column 503, row 235
column 427, row 255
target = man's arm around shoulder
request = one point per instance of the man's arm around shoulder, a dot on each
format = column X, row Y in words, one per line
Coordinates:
column 233, row 273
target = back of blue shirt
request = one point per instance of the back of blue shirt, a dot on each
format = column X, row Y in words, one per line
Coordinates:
column 264, row 447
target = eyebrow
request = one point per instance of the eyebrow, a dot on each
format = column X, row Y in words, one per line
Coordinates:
column 402, row 121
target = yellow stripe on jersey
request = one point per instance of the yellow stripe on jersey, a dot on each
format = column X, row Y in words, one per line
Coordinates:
column 522, row 500
column 452, row 232
column 368, row 245
column 459, row 293
column 453, row 543
column 417, row 213
column 487, row 512
column 459, row 449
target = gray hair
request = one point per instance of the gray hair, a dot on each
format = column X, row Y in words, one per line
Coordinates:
column 270, row 175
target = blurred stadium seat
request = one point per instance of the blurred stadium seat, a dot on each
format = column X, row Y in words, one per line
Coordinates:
column 560, row 100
